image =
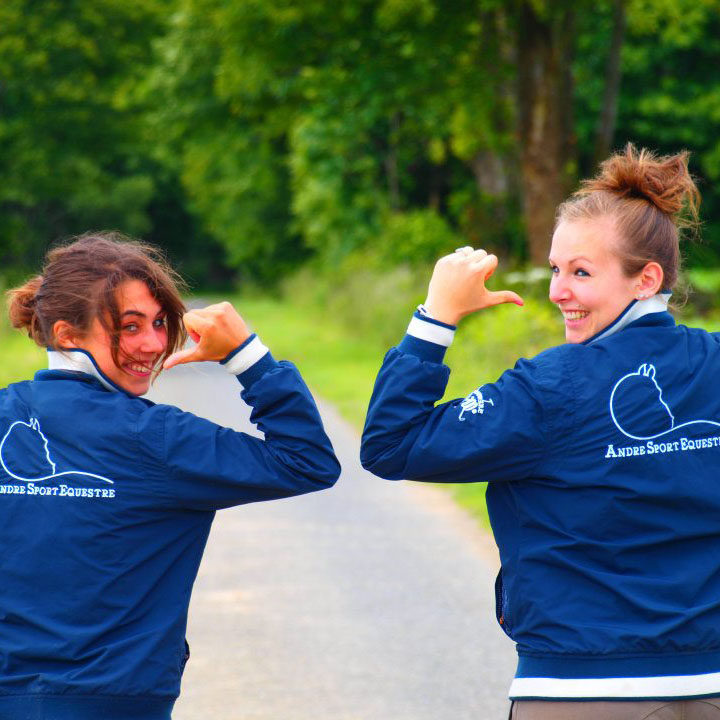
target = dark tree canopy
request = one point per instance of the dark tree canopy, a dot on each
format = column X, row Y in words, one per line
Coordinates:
column 247, row 137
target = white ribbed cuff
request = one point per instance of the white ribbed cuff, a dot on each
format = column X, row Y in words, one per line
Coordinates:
column 430, row 332
column 246, row 358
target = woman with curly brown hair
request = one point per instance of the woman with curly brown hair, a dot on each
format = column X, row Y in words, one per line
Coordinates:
column 108, row 498
column 602, row 456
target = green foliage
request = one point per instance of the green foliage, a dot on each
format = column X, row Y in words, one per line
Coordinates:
column 373, row 296
column 20, row 357
column 71, row 119
column 225, row 136
column 248, row 137
column 363, row 293
column 307, row 127
column 239, row 189
column 81, row 148
column 670, row 99
column 417, row 237
column 677, row 43
column 336, row 203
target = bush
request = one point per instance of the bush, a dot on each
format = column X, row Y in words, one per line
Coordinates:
column 416, row 238
column 374, row 300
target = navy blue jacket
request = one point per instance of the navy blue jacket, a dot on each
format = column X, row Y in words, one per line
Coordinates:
column 603, row 463
column 107, row 501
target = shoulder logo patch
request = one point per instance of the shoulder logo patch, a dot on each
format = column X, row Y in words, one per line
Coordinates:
column 474, row 403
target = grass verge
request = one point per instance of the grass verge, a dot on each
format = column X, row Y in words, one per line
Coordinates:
column 19, row 357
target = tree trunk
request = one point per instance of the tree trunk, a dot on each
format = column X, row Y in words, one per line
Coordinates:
column 491, row 173
column 547, row 144
column 391, row 163
column 608, row 111
column 493, row 165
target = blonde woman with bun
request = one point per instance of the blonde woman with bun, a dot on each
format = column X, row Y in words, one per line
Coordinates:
column 602, row 456
column 107, row 498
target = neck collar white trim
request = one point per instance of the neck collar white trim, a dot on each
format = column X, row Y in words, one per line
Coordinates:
column 77, row 360
column 634, row 311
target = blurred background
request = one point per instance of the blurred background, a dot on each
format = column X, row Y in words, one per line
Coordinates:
column 255, row 137
column 316, row 157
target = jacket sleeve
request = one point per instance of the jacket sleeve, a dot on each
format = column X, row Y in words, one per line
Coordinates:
column 207, row 467
column 498, row 432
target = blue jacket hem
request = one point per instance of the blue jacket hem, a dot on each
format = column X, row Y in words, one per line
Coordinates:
column 620, row 665
column 84, row 707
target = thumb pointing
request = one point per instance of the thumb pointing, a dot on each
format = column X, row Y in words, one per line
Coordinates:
column 180, row 357
column 506, row 296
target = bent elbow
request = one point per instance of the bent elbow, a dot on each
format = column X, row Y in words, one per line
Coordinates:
column 324, row 476
column 332, row 473
column 380, row 460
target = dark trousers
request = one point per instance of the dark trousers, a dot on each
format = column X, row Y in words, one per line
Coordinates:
column 702, row 709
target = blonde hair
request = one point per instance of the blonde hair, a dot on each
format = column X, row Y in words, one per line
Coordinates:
column 652, row 200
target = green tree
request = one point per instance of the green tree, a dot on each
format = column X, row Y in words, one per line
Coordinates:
column 353, row 112
column 669, row 97
column 283, row 129
column 71, row 120
column 224, row 119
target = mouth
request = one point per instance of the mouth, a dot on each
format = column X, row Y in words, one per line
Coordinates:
column 574, row 315
column 139, row 369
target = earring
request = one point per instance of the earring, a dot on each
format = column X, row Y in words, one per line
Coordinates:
column 642, row 297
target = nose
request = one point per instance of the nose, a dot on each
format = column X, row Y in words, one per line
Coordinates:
column 559, row 290
column 154, row 341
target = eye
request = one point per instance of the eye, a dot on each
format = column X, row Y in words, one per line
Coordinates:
column 582, row 273
column 130, row 327
column 554, row 269
column 159, row 322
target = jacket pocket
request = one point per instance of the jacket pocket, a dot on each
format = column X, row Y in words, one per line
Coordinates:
column 501, row 605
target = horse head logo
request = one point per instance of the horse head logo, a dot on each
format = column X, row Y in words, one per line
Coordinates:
column 637, row 406
column 30, row 446
column 25, row 455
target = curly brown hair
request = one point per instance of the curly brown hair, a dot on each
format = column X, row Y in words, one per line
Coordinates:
column 79, row 283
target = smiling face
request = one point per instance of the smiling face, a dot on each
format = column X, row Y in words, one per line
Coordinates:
column 143, row 339
column 588, row 283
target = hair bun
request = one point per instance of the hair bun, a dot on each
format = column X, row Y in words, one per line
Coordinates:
column 664, row 181
column 21, row 305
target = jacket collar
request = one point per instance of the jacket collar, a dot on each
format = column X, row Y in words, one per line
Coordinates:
column 75, row 360
column 653, row 309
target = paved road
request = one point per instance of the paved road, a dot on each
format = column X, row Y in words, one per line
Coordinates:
column 371, row 601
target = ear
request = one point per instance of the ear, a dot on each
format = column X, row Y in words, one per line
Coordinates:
column 649, row 281
column 64, row 334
